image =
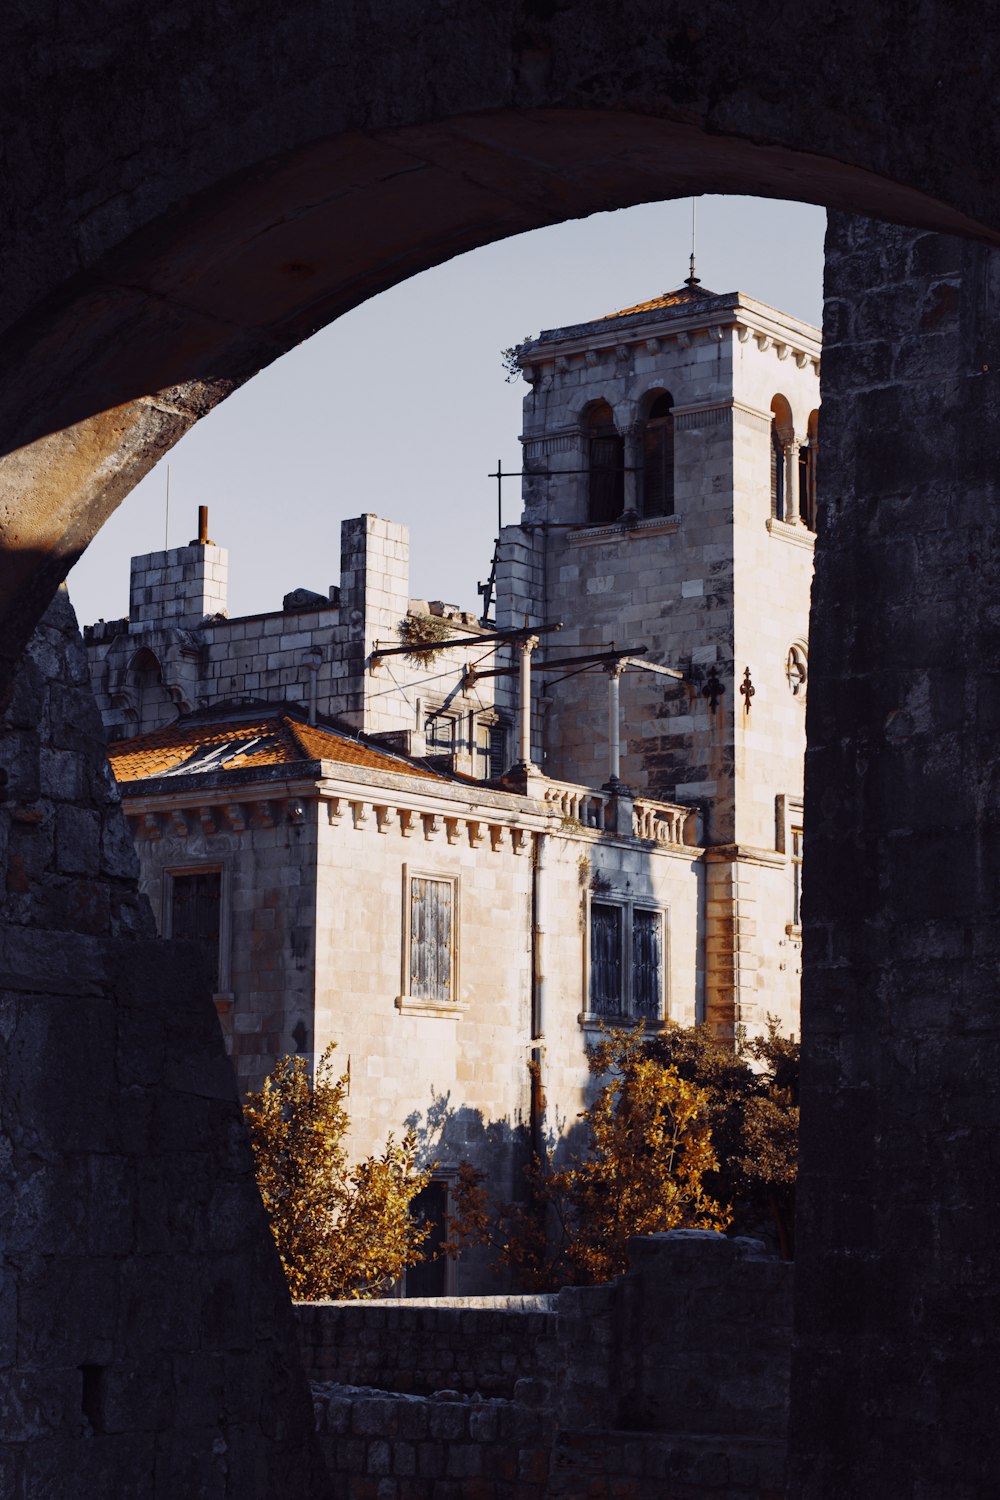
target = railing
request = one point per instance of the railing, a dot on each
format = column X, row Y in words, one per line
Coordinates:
column 577, row 803
column 660, row 822
column 655, row 822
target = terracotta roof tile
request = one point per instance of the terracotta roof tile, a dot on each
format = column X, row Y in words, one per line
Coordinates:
column 188, row 747
column 665, row 299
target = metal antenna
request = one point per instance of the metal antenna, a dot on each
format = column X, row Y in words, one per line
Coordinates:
column 692, row 280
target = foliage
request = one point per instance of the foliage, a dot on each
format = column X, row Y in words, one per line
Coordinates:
column 649, row 1148
column 340, row 1231
column 510, row 357
column 422, row 631
column 753, row 1110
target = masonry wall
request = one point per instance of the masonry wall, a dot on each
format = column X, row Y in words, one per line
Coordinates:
column 898, row 1367
column 265, row 850
column 465, row 1344
column 179, row 652
column 146, row 1327
column 670, row 1383
column 579, row 869
column 458, row 1070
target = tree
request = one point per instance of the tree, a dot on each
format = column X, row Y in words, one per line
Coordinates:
column 340, row 1231
column 648, row 1150
column 753, row 1112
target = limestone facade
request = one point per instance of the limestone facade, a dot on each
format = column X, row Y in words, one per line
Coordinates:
column 456, row 848
column 698, row 549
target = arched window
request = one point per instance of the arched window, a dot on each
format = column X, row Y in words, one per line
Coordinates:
column 781, row 433
column 658, row 458
column 606, row 466
column 808, row 455
column 145, row 693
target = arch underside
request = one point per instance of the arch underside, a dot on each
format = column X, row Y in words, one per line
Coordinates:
column 118, row 363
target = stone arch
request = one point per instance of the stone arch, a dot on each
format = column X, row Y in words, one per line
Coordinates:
column 153, row 289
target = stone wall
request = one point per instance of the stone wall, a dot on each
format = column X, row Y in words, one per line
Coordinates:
column 466, row 1344
column 146, row 1342
column 670, row 1383
column 898, row 1267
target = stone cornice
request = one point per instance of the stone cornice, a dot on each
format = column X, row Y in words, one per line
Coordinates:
column 614, row 339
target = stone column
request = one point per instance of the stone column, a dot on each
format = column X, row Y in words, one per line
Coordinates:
column 633, row 469
column 896, row 1384
column 614, row 725
column 792, row 482
column 525, row 649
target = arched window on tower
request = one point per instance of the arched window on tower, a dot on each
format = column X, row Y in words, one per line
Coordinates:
column 808, row 456
column 658, row 458
column 606, row 466
column 781, row 434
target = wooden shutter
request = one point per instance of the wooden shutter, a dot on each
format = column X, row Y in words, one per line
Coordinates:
column 777, row 476
column 605, row 959
column 658, row 460
column 646, row 965
column 195, row 909
column 607, row 478
column 430, row 939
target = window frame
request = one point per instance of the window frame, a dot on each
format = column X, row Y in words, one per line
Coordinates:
column 626, row 1016
column 788, row 823
column 406, row 1002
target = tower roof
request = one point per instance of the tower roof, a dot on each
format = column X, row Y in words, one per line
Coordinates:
column 680, row 298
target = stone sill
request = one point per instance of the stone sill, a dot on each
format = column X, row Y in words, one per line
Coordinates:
column 447, row 1010
column 591, row 1022
column 799, row 535
column 617, row 530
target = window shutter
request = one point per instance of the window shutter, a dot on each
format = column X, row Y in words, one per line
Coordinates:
column 777, row 476
column 430, row 939
column 195, row 906
column 607, row 478
column 646, row 964
column 605, row 959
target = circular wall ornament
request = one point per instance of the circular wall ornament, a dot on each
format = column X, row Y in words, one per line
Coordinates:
column 797, row 669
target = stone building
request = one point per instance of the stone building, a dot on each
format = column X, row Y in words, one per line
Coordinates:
column 453, row 846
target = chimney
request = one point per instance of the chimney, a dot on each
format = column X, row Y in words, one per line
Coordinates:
column 202, row 539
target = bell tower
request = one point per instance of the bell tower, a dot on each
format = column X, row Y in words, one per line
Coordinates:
column 669, row 507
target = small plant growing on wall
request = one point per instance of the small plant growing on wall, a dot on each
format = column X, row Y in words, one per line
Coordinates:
column 341, row 1231
column 423, row 631
column 511, row 361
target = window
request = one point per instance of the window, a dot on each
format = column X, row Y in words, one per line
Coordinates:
column 491, row 750
column 439, row 733
column 781, row 436
column 194, row 912
column 606, row 465
column 430, row 941
column 626, row 962
column 777, row 474
column 808, row 454
column 796, row 853
column 429, row 1277
column 646, row 965
column 658, row 458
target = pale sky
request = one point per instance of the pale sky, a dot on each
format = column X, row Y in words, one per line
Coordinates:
column 401, row 406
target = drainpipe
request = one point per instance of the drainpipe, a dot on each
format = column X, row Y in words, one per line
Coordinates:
column 539, row 923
